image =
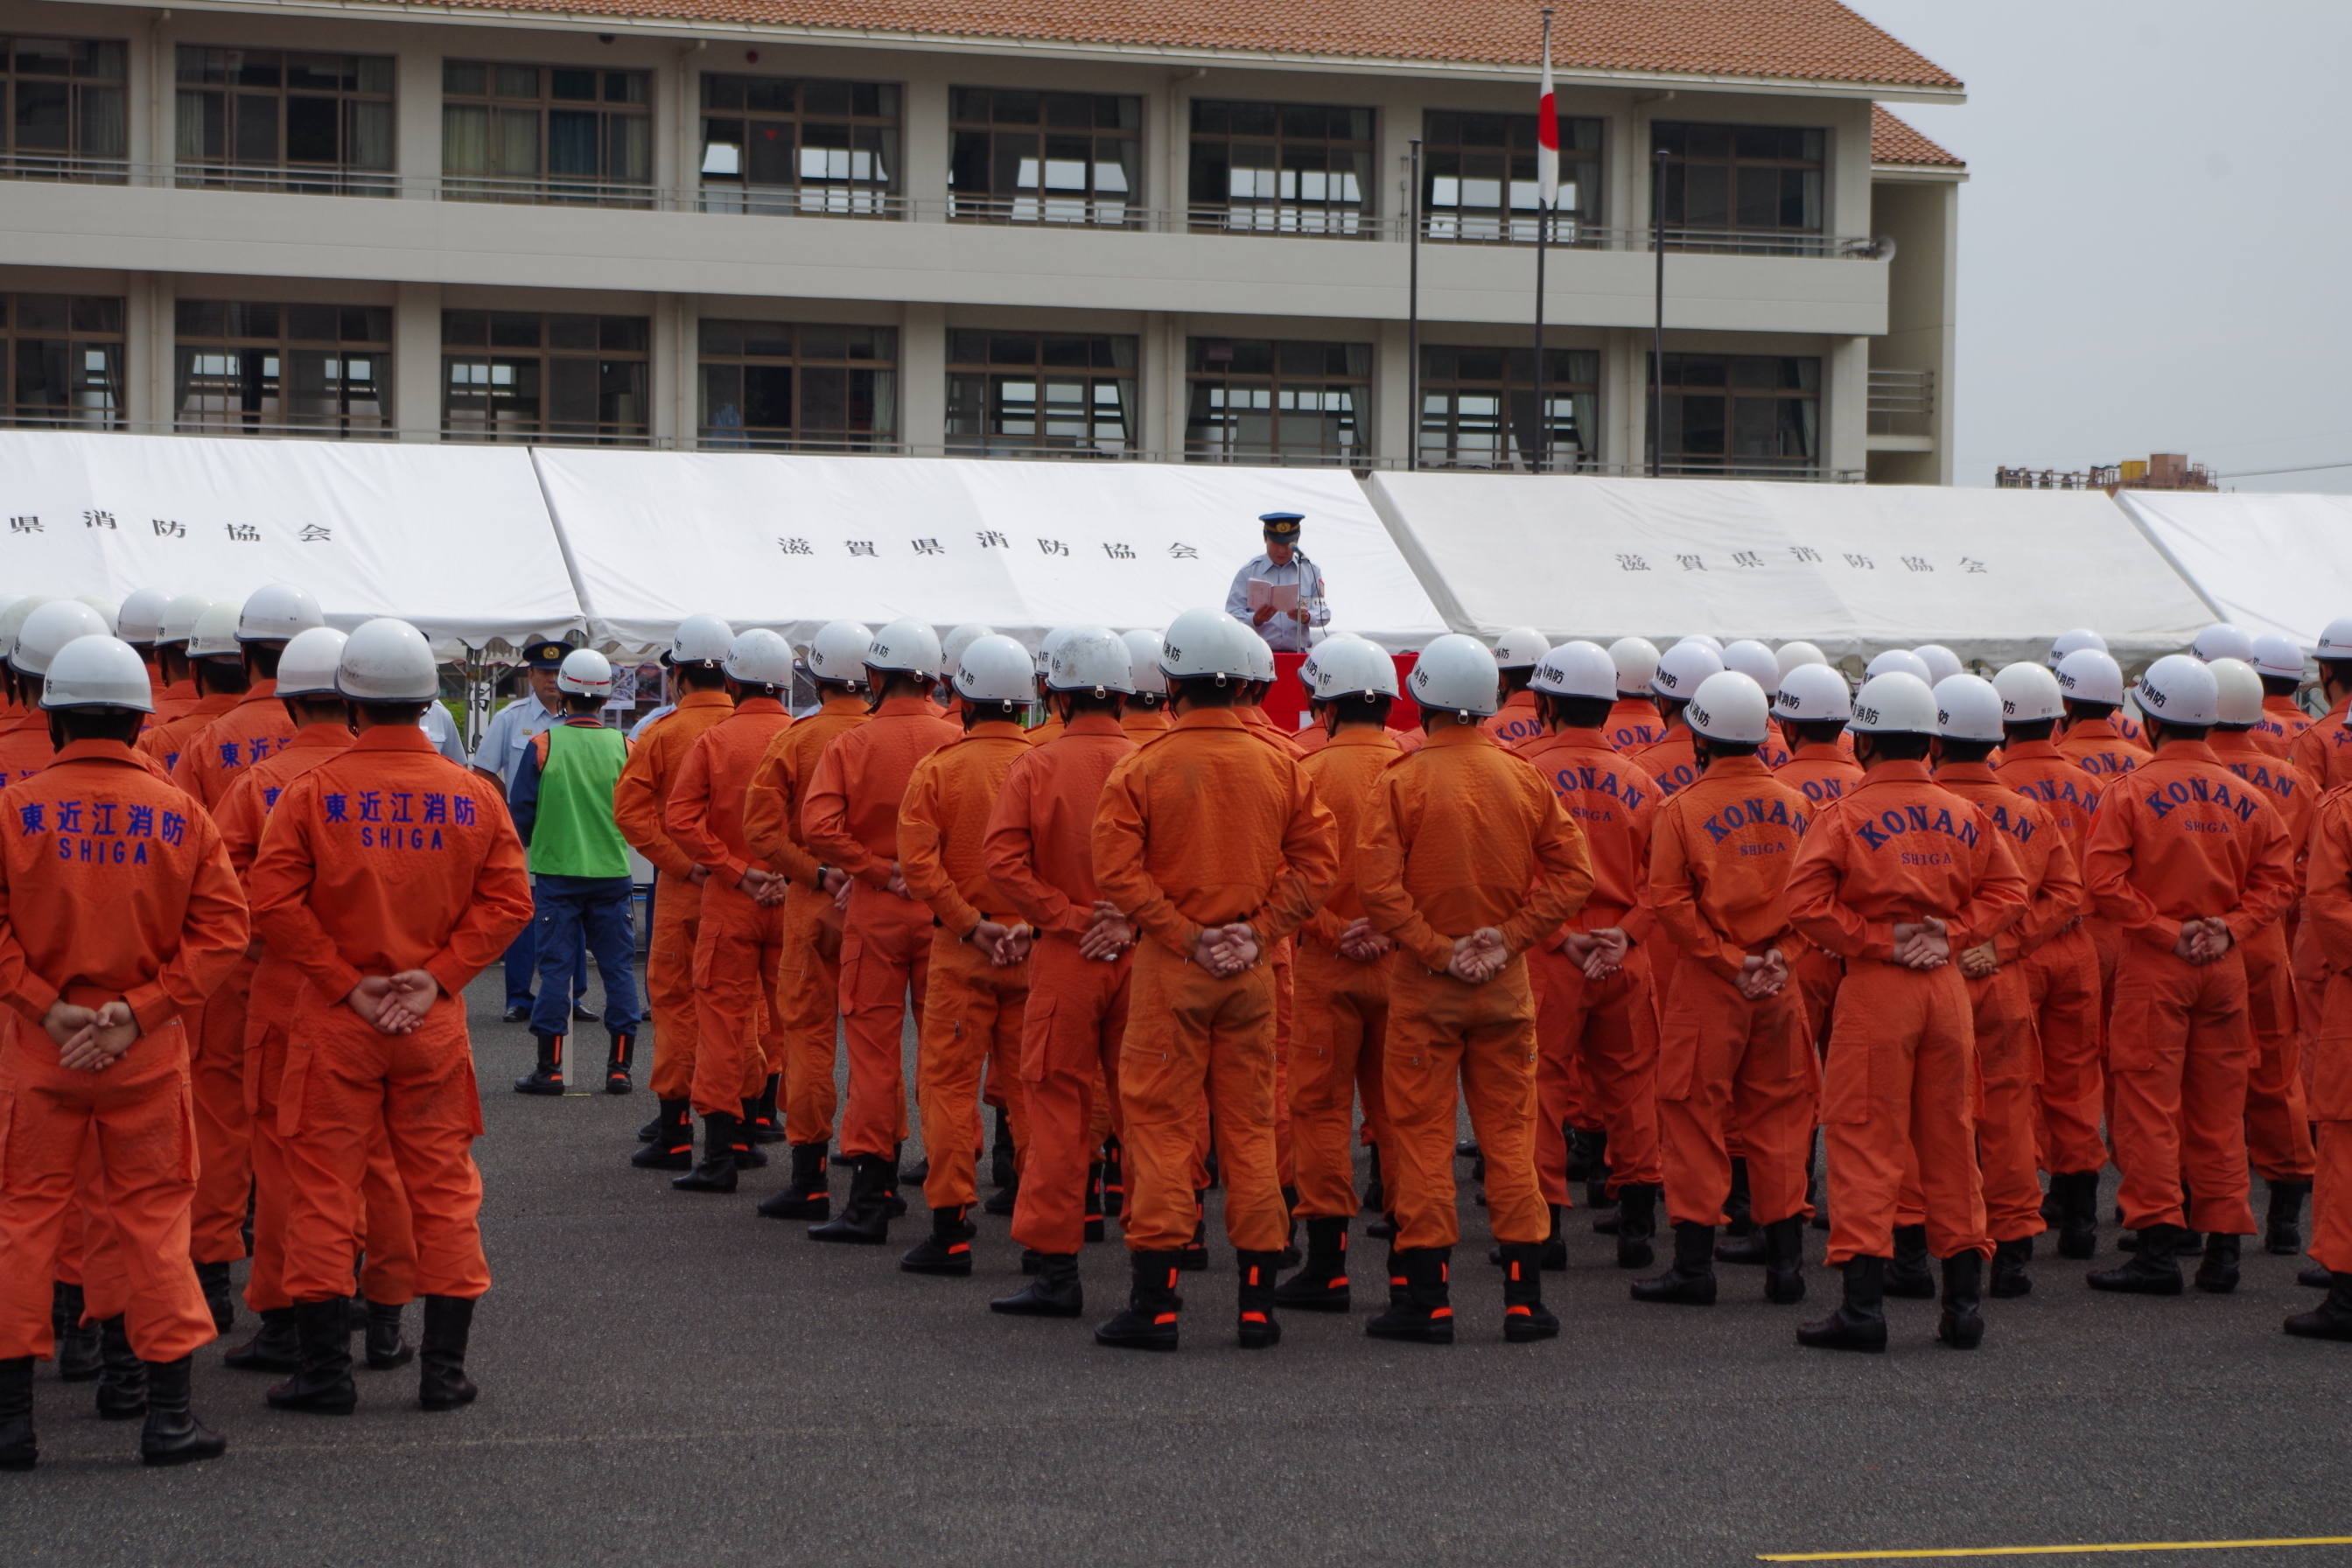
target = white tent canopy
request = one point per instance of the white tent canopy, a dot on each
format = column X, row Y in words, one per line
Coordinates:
column 454, row 539
column 792, row 541
column 1992, row 575
column 2266, row 563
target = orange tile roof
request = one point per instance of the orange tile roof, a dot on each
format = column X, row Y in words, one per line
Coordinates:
column 1894, row 142
column 1807, row 40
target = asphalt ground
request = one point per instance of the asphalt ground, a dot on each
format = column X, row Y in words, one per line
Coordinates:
column 671, row 1382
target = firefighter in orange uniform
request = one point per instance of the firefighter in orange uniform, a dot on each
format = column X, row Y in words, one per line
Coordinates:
column 2278, row 661
column 140, row 622
column 1146, row 713
column 172, row 662
column 1674, row 760
column 216, row 669
column 1633, row 722
column 26, row 746
column 1516, row 654
column 2324, row 751
column 2327, row 917
column 1812, row 707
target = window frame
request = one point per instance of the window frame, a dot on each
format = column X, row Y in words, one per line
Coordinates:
column 1092, row 205
column 343, row 423
column 1231, row 215
column 989, row 376
column 544, row 184
column 1572, row 407
column 233, row 168
column 1729, row 464
column 79, row 160
column 79, row 342
column 1735, row 236
column 1581, row 165
column 541, row 429
column 732, row 191
column 881, row 396
column 1202, row 387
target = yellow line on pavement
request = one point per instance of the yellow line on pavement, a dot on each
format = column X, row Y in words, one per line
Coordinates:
column 2050, row 1551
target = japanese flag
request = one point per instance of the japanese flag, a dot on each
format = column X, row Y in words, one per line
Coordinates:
column 1547, row 131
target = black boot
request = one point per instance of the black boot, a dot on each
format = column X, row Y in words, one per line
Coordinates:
column 322, row 1385
column 809, row 1194
column 387, row 1347
column 717, row 1171
column 1691, row 1281
column 1053, row 1293
column 1194, row 1255
column 1375, row 1195
column 547, row 1076
column 2078, row 1213
column 2009, row 1276
column 1784, row 1261
column 1583, row 1153
column 2218, row 1274
column 1255, row 1327
column 1002, row 1200
column 79, row 1355
column 765, row 1126
column 172, row 1434
column 2331, row 1319
column 865, row 1219
column 441, row 1382
column 1094, row 1204
column 1553, row 1258
column 1908, row 1277
column 122, row 1385
column 1637, row 1224
column 1736, row 1207
column 1860, row 1321
column 220, row 1296
column 275, row 1346
column 18, row 1451
column 1751, row 1248
column 1002, row 1167
column 2152, row 1271
column 1148, row 1323
column 671, row 1148
column 748, row 1155
column 1290, row 1253
column 1321, row 1283
column 1960, row 1327
column 1524, row 1317
column 894, row 1206
column 2315, row 1277
column 947, row 1250
column 618, row 1061
column 1421, row 1305
column 2283, row 1224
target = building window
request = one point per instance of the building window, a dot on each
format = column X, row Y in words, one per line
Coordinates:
column 1753, row 414
column 1291, row 168
column 1255, row 400
column 61, row 107
column 312, row 370
column 546, row 134
column 518, row 376
column 1044, row 157
column 277, row 119
column 1030, row 392
column 809, row 388
column 1478, row 178
column 64, row 359
column 771, row 144
column 1731, row 187
column 1478, row 408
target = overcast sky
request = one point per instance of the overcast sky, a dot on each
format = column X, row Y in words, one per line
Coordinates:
column 2155, row 237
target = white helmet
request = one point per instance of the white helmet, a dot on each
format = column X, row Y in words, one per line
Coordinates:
column 1682, row 668
column 1092, row 658
column 1306, row 666
column 1967, row 708
column 2238, row 693
column 1456, row 675
column 98, row 672
column 2090, row 674
column 51, row 627
column 1636, row 659
column 387, row 661
column 585, row 673
column 2074, row 641
column 1262, row 668
column 179, row 619
column 701, row 639
column 1713, row 645
column 1143, row 662
column 307, row 668
column 952, row 647
column 838, row 654
column 277, row 612
column 139, row 621
column 1813, row 694
column 1045, row 646
column 1942, row 662
column 2178, row 689
column 1522, row 647
column 108, row 610
column 995, row 668
column 1577, row 669
column 1789, row 655
column 12, row 620
column 2278, row 657
column 1205, row 643
column 1352, row 667
column 1894, row 703
column 2335, row 642
column 1901, row 659
column 905, row 646
column 1729, row 707
column 1754, row 660
column 2222, row 640
column 2029, row 694
column 214, row 636
column 762, row 658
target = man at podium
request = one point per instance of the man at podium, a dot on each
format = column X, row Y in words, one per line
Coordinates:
column 1278, row 593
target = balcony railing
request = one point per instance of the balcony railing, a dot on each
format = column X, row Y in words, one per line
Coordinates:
column 1902, row 403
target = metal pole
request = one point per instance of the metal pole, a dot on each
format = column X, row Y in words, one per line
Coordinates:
column 1658, row 326
column 1543, row 232
column 1412, row 318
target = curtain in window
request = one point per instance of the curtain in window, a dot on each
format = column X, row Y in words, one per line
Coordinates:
column 465, row 138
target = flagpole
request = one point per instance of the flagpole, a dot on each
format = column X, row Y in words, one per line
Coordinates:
column 1412, row 316
column 1547, row 178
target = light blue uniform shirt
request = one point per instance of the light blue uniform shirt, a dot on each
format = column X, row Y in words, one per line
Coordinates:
column 1282, row 631
column 511, row 730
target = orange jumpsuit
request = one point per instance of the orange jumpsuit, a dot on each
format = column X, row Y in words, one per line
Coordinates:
column 1634, row 724
column 1460, row 836
column 1039, row 852
column 810, row 984
column 639, row 800
column 165, row 741
column 1672, row 762
column 2327, row 916
column 25, row 747
column 2184, row 838
column 971, row 1007
column 1600, row 1036
column 2282, row 724
column 1900, row 1077
column 2099, row 748
column 1206, row 826
column 2324, row 749
column 1822, row 774
column 2064, row 978
column 1515, row 723
column 849, row 818
column 2278, row 1117
column 173, row 700
column 1140, row 724
column 739, row 947
column 1720, row 856
column 97, row 830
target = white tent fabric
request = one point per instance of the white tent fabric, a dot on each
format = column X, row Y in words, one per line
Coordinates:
column 2266, row 563
column 1991, row 575
column 454, row 539
column 791, row 541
